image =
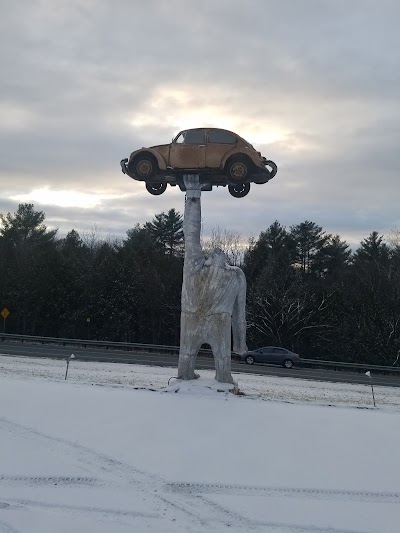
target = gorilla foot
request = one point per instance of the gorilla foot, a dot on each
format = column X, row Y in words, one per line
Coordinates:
column 224, row 379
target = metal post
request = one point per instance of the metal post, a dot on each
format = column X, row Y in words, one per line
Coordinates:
column 72, row 356
column 66, row 372
column 372, row 386
column 373, row 396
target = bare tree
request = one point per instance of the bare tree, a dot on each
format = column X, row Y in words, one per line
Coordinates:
column 286, row 312
column 394, row 238
column 230, row 242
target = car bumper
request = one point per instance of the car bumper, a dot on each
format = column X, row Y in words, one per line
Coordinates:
column 270, row 167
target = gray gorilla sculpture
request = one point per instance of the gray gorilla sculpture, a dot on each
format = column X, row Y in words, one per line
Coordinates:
column 213, row 297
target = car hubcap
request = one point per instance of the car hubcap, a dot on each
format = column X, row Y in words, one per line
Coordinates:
column 240, row 188
column 144, row 168
column 238, row 170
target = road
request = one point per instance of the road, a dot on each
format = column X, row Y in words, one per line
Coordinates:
column 204, row 363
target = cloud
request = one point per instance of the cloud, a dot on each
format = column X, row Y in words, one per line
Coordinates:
column 313, row 85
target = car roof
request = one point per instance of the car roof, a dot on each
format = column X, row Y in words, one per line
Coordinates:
column 212, row 128
column 280, row 347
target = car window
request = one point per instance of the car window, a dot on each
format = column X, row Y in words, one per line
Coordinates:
column 191, row 137
column 223, row 137
column 181, row 138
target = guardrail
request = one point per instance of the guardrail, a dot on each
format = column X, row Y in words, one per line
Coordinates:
column 174, row 350
column 341, row 365
column 81, row 342
column 86, row 343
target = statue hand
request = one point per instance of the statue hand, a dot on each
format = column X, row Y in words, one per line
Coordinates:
column 192, row 182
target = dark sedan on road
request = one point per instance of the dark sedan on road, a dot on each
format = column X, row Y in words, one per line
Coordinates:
column 272, row 355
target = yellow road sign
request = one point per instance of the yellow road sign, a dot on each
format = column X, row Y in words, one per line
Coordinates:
column 5, row 312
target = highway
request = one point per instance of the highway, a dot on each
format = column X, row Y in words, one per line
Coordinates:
column 168, row 360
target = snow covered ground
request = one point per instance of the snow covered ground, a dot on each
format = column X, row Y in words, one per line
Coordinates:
column 113, row 449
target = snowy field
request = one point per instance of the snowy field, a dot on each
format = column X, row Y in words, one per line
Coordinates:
column 114, row 449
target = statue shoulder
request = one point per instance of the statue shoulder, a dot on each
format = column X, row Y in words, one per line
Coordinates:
column 237, row 269
column 239, row 272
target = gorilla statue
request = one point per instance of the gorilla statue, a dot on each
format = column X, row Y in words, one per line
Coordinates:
column 213, row 297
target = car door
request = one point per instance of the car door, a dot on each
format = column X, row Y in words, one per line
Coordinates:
column 271, row 354
column 188, row 150
column 219, row 142
column 264, row 356
column 280, row 355
column 257, row 354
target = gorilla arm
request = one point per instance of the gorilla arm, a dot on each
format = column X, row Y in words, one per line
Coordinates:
column 239, row 316
column 194, row 256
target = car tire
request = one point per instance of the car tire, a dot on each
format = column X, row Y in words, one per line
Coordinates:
column 156, row 188
column 238, row 170
column 144, row 167
column 287, row 363
column 240, row 190
column 249, row 359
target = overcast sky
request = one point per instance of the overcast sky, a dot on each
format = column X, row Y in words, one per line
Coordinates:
column 312, row 84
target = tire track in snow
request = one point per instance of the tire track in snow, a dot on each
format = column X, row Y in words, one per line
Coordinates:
column 51, row 480
column 88, row 456
column 6, row 528
column 248, row 490
column 119, row 473
column 247, row 524
column 82, row 508
column 186, row 498
column 282, row 527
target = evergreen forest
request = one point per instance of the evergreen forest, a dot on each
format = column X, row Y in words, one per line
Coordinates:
column 306, row 289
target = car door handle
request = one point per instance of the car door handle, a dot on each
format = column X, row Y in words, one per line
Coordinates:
column 201, row 145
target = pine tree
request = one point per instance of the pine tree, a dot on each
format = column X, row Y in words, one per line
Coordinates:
column 373, row 248
column 310, row 239
column 26, row 225
column 273, row 249
column 333, row 257
column 28, row 255
column 167, row 230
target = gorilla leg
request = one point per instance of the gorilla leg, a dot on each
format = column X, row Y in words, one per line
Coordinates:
column 220, row 342
column 190, row 344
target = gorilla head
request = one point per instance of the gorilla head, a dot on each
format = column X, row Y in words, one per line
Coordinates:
column 216, row 258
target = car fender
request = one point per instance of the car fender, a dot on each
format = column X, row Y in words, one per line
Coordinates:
column 162, row 164
column 251, row 154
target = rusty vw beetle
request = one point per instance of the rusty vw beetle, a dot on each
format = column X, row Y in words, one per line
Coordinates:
column 220, row 157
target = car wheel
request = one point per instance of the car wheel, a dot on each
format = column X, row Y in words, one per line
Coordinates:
column 249, row 359
column 237, row 170
column 156, row 188
column 239, row 190
column 144, row 167
column 288, row 363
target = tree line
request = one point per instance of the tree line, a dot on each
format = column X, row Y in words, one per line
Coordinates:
column 307, row 291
